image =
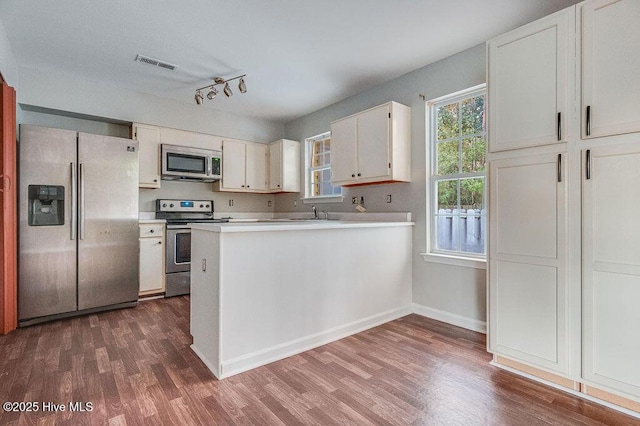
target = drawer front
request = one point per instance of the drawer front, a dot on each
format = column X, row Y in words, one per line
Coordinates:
column 151, row 230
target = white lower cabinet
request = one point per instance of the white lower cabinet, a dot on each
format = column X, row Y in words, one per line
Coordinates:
column 151, row 258
column 528, row 317
column 611, row 268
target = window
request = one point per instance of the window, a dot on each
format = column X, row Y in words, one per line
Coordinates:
column 318, row 179
column 457, row 178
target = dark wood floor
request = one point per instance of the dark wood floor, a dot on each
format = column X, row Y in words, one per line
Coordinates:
column 135, row 367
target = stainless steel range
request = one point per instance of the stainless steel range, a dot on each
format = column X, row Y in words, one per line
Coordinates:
column 179, row 214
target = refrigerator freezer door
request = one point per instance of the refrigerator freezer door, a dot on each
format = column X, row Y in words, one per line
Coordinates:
column 108, row 221
column 47, row 254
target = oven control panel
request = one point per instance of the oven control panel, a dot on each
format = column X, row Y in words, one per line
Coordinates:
column 184, row 206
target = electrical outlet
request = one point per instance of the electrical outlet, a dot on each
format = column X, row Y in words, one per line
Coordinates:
column 389, row 198
column 230, row 203
column 295, row 203
column 354, row 200
column 269, row 203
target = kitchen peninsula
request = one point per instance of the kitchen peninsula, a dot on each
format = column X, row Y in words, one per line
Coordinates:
column 263, row 291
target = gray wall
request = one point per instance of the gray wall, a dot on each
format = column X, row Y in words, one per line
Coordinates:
column 457, row 290
column 60, row 101
column 54, row 91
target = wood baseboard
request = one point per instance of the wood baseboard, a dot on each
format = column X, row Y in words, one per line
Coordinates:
column 612, row 398
column 579, row 388
column 545, row 375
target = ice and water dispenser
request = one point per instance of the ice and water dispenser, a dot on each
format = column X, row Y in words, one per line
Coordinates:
column 46, row 205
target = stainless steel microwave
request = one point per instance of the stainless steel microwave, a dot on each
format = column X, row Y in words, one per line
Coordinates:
column 193, row 164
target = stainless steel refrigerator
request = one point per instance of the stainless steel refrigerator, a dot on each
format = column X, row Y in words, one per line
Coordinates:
column 78, row 230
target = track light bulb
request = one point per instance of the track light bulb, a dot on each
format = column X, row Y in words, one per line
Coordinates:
column 199, row 97
column 227, row 90
column 212, row 93
column 241, row 86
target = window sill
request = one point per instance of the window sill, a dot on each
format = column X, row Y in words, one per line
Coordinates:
column 320, row 200
column 467, row 262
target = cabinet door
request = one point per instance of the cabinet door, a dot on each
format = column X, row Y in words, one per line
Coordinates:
column 343, row 150
column 233, row 165
column 151, row 265
column 610, row 63
column 275, row 166
column 290, row 166
column 148, row 138
column 256, row 160
column 528, row 286
column 373, row 143
column 611, row 267
column 528, row 83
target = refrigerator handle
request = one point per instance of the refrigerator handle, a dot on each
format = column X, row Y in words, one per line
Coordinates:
column 81, row 202
column 74, row 202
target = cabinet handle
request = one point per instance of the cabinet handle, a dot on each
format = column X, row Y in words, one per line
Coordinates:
column 559, row 167
column 152, row 231
column 588, row 165
column 359, row 174
column 353, row 175
column 588, row 129
column 159, row 242
column 559, row 126
column 247, row 186
column 74, row 202
column 155, row 180
column 242, row 186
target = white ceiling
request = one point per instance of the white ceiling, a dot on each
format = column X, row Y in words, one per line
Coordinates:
column 299, row 55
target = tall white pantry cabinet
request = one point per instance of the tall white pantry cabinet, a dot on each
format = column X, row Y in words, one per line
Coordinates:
column 564, row 196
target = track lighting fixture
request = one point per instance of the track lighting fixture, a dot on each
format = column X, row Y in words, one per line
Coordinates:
column 227, row 90
column 212, row 91
column 199, row 98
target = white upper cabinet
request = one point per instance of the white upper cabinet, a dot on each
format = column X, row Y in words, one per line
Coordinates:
column 148, row 138
column 530, row 70
column 284, row 166
column 610, row 64
column 256, row 158
column 343, row 152
column 233, row 165
column 275, row 166
column 373, row 146
column 243, row 167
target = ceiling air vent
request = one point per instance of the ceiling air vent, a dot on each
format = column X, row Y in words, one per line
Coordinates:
column 155, row 62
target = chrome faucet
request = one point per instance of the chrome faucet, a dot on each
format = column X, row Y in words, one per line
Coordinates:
column 315, row 212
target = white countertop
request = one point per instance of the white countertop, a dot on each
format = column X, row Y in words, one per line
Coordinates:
column 293, row 225
column 151, row 221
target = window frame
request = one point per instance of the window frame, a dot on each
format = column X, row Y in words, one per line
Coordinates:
column 308, row 180
column 433, row 254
